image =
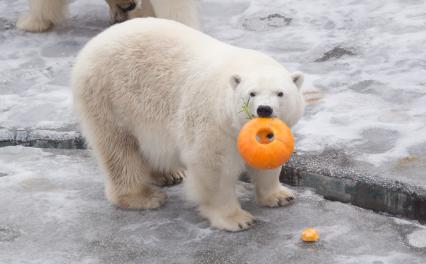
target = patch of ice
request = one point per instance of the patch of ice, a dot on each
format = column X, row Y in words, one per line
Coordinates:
column 54, row 211
column 389, row 258
column 401, row 221
column 417, row 238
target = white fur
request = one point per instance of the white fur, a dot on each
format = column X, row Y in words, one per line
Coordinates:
column 168, row 102
column 44, row 14
column 184, row 11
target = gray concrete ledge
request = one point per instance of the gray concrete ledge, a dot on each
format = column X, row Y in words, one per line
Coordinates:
column 344, row 184
column 41, row 138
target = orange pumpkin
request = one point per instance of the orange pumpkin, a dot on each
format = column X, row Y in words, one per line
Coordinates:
column 265, row 143
column 310, row 235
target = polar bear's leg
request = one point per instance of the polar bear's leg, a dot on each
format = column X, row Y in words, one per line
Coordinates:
column 128, row 182
column 214, row 191
column 269, row 191
column 183, row 11
column 43, row 15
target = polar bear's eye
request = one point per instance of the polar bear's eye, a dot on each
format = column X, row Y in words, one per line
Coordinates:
column 252, row 94
column 280, row 94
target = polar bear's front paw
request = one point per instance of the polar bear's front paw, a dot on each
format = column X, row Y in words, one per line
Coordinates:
column 280, row 197
column 237, row 221
column 168, row 178
column 32, row 24
column 148, row 199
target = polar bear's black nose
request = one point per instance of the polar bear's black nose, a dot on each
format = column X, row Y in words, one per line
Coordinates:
column 264, row 111
column 127, row 7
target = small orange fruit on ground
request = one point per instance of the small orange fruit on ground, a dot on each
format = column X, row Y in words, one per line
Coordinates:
column 265, row 143
column 310, row 235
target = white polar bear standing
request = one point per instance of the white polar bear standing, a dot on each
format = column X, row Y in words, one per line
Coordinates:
column 168, row 100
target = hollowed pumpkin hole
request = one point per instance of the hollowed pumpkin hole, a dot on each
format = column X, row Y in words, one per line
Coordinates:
column 265, row 136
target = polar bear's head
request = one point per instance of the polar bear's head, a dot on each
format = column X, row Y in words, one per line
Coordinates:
column 268, row 94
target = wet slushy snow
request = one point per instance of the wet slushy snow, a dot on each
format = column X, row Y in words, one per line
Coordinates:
column 365, row 58
column 53, row 210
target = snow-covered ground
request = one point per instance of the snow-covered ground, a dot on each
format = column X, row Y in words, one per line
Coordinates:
column 374, row 96
column 35, row 70
column 53, row 210
column 366, row 58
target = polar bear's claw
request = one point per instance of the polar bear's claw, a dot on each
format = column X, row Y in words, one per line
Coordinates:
column 281, row 197
column 237, row 221
column 168, row 178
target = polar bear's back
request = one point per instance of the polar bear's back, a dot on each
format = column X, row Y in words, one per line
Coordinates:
column 149, row 34
column 157, row 43
column 138, row 66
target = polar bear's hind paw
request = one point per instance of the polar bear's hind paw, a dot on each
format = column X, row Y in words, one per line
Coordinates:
column 168, row 178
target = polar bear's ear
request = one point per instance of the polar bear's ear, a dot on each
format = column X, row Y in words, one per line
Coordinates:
column 235, row 80
column 297, row 78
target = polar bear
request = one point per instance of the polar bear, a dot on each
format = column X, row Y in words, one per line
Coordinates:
column 169, row 104
column 44, row 14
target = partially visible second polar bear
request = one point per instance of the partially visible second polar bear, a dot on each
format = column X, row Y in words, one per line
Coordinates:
column 44, row 14
column 168, row 101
